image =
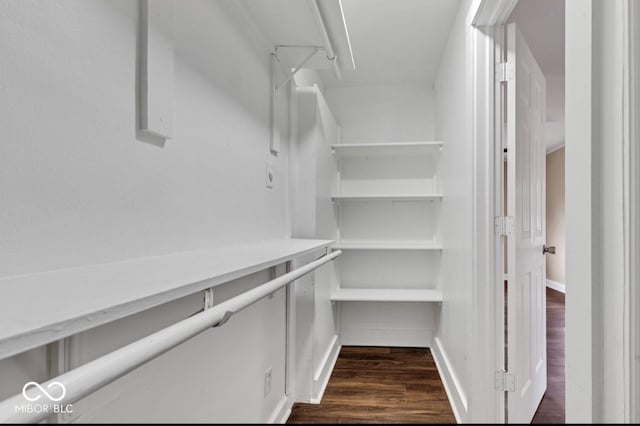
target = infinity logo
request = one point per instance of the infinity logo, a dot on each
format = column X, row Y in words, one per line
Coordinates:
column 47, row 394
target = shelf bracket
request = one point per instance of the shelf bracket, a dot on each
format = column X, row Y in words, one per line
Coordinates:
column 274, row 64
column 289, row 76
column 208, row 298
column 224, row 320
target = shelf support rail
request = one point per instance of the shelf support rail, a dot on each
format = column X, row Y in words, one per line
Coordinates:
column 90, row 377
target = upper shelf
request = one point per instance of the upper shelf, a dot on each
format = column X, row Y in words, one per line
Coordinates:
column 391, row 197
column 386, row 149
column 36, row 308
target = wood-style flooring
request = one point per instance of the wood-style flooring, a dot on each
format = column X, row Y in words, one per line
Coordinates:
column 380, row 385
column 551, row 409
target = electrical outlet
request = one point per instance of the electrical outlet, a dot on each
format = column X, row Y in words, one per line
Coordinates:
column 270, row 176
column 267, row 382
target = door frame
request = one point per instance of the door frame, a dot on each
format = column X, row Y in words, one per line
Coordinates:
column 631, row 178
column 488, row 296
column 483, row 21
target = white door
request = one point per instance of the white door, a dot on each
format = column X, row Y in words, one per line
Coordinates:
column 526, row 318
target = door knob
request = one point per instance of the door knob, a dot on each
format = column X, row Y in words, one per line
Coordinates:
column 550, row 250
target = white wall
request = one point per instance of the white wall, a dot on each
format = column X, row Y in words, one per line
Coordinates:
column 452, row 127
column 555, row 97
column 555, row 126
column 555, row 216
column 383, row 113
column 79, row 188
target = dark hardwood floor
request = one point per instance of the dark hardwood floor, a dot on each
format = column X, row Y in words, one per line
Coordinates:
column 402, row 385
column 551, row 409
column 380, row 385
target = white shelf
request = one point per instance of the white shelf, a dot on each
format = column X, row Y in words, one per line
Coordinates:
column 64, row 302
column 386, row 149
column 385, row 245
column 390, row 197
column 386, row 295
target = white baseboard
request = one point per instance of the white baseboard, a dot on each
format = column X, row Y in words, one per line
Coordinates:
column 556, row 286
column 282, row 411
column 452, row 386
column 416, row 338
column 323, row 374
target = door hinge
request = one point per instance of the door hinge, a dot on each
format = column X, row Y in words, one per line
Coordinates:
column 504, row 225
column 504, row 72
column 505, row 381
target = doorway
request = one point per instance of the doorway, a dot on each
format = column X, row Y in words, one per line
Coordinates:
column 533, row 137
column 595, row 41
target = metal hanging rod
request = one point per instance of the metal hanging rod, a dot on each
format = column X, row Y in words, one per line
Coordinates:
column 331, row 56
column 96, row 374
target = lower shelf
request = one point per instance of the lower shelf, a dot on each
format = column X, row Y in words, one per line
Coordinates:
column 386, row 295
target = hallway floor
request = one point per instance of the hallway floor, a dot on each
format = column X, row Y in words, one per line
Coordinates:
column 380, row 385
column 551, row 409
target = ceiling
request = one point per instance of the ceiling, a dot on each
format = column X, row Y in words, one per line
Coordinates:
column 395, row 41
column 541, row 22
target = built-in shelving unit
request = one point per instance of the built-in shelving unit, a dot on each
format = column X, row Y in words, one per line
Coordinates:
column 386, row 149
column 386, row 295
column 387, row 203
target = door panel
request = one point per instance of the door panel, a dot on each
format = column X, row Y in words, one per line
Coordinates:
column 526, row 334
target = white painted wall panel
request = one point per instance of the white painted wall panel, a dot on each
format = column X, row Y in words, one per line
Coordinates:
column 387, row 323
column 390, row 220
column 452, row 127
column 389, row 174
column 19, row 369
column 383, row 113
column 314, row 175
column 389, row 268
column 79, row 188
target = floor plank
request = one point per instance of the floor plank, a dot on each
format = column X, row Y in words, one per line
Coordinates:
column 380, row 385
column 552, row 408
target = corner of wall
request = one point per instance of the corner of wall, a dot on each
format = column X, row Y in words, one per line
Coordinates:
column 455, row 392
column 323, row 374
column 282, row 411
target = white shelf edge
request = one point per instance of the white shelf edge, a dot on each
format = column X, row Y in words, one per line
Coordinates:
column 386, row 149
column 386, row 295
column 391, row 197
column 386, row 245
column 389, row 145
column 107, row 292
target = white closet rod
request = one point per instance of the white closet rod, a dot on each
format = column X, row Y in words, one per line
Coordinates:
column 96, row 374
column 331, row 56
